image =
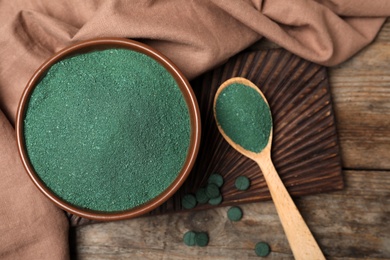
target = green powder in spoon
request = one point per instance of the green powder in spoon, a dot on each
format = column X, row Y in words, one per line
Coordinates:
column 244, row 116
column 107, row 130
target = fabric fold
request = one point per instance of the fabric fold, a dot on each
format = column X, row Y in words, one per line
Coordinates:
column 31, row 227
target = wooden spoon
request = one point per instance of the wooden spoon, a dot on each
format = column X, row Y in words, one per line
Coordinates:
column 302, row 242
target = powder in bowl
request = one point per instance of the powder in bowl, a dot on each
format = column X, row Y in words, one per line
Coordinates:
column 107, row 130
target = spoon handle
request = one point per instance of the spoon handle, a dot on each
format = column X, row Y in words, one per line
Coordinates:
column 301, row 240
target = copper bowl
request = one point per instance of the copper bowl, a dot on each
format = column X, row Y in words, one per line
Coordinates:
column 190, row 99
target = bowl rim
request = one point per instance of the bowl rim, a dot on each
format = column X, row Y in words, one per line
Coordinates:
column 188, row 95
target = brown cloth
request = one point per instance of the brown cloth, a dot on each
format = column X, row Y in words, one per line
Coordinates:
column 196, row 35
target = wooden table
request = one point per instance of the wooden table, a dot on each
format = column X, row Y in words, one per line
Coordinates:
column 348, row 224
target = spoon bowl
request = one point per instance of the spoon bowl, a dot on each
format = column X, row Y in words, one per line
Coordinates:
column 242, row 112
column 267, row 139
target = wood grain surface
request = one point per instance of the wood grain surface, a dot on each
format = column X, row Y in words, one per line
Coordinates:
column 349, row 224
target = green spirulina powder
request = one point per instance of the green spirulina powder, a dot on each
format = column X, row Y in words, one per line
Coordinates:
column 107, row 130
column 244, row 116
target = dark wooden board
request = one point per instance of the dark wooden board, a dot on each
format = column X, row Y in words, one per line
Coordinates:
column 305, row 147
